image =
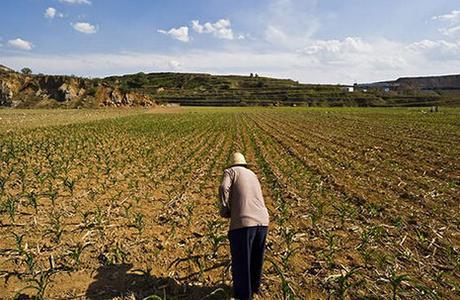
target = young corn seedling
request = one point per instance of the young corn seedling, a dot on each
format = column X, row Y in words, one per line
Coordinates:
column 422, row 239
column 92, row 194
column 366, row 255
column 331, row 249
column 342, row 283
column 280, row 219
column 75, row 204
column 23, row 178
column 192, row 260
column 396, row 281
column 214, row 237
column 288, row 236
column 3, row 181
column 285, row 209
column 426, row 291
column 137, row 198
column 18, row 239
column 216, row 242
column 76, row 252
column 368, row 236
column 52, row 194
column 286, row 286
column 70, row 184
column 398, row 222
column 107, row 166
column 55, row 229
column 138, row 222
column 286, row 256
column 30, row 261
column 98, row 218
column 126, row 209
column 114, row 201
column 316, row 212
column 190, row 207
column 344, row 210
column 32, row 198
column 373, row 210
column 40, row 176
column 11, row 207
column 85, row 218
column 39, row 283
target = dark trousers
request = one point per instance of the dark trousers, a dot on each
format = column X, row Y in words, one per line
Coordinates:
column 247, row 246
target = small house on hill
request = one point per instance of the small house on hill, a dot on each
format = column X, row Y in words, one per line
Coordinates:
column 348, row 88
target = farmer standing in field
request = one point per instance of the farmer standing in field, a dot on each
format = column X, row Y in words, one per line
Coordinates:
column 241, row 201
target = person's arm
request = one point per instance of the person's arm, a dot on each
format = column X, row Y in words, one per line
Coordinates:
column 224, row 194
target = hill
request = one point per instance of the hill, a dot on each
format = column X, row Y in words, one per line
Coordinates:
column 199, row 89
column 448, row 82
column 446, row 88
column 4, row 69
column 206, row 89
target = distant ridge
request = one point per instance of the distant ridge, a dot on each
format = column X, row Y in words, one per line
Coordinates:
column 444, row 82
column 200, row 89
column 441, row 82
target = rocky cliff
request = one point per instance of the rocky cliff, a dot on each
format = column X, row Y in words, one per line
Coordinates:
column 447, row 82
column 21, row 91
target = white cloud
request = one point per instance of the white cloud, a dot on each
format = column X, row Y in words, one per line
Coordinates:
column 84, row 27
column 20, row 44
column 348, row 60
column 51, row 13
column 290, row 23
column 337, row 47
column 352, row 57
column 76, row 1
column 220, row 29
column 453, row 19
column 174, row 64
column 450, row 30
column 197, row 27
column 453, row 16
column 440, row 50
column 180, row 34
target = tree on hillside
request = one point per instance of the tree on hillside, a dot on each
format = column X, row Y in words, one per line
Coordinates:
column 138, row 80
column 26, row 71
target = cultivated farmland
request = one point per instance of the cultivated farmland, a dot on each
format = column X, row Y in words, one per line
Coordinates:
column 364, row 203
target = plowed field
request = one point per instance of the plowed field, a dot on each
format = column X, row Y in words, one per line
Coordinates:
column 363, row 203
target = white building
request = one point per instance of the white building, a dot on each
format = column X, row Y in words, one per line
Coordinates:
column 349, row 89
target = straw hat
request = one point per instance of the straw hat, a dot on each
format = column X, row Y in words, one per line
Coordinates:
column 238, row 159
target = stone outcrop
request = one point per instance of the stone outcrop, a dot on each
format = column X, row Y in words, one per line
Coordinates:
column 113, row 97
column 20, row 90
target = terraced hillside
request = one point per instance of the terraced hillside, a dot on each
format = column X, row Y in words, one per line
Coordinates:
column 211, row 90
column 192, row 89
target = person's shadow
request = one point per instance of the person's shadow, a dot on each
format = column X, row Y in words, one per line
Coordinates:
column 119, row 280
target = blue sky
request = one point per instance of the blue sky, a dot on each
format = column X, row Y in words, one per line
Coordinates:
column 318, row 41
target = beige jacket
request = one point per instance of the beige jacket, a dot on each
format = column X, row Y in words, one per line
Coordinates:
column 241, row 198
